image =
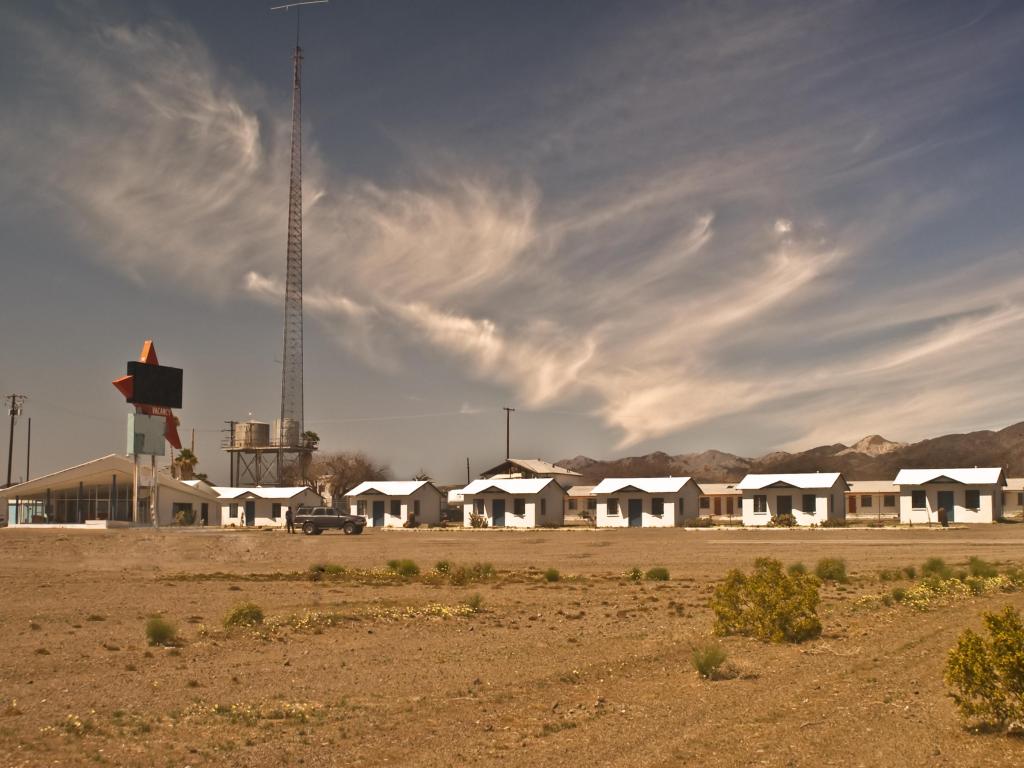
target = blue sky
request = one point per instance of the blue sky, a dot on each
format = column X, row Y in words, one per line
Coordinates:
column 646, row 225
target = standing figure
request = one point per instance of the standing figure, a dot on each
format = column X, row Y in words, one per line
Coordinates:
column 289, row 520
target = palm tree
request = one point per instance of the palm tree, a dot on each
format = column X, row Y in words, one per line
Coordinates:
column 186, row 462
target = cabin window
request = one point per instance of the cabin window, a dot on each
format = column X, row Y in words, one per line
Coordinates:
column 972, row 498
column 918, row 500
column 572, row 504
column 760, row 504
column 1020, row 499
column 416, row 507
column 275, row 511
column 478, row 505
column 233, row 510
column 682, row 509
column 519, row 507
column 543, row 507
column 809, row 504
column 657, row 506
column 396, row 508
column 889, row 500
column 866, row 501
column 613, row 506
column 705, row 502
column 361, row 507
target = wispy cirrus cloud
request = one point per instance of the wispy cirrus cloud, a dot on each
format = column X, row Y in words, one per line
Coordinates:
column 700, row 229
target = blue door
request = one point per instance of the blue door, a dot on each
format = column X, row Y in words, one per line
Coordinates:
column 378, row 514
column 250, row 513
column 636, row 513
column 946, row 501
column 498, row 513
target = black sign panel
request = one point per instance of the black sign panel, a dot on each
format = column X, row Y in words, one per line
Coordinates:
column 155, row 384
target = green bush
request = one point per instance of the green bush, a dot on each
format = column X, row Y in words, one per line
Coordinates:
column 936, row 566
column 244, row 615
column 768, row 604
column 982, row 568
column 783, row 521
column 708, row 659
column 890, row 574
column 987, row 675
column 552, row 574
column 657, row 574
column 475, row 602
column 834, row 522
column 910, row 571
column 831, row 569
column 634, row 574
column 406, row 568
column 898, row 594
column 443, row 567
column 797, row 569
column 461, row 575
column 161, row 632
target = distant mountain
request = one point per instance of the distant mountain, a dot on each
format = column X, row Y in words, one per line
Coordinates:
column 871, row 458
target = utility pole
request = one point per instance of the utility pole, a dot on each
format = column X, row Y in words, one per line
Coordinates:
column 28, row 450
column 468, row 481
column 14, row 404
column 508, row 428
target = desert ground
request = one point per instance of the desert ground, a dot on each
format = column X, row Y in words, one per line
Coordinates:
column 364, row 669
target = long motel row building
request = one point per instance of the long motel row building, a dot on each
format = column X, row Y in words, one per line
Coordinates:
column 520, row 493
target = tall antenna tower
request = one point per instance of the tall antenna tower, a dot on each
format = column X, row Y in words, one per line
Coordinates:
column 290, row 428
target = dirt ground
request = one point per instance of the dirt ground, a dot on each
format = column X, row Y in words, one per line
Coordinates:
column 590, row 670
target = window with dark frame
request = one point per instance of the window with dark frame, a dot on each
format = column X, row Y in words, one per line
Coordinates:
column 275, row 511
column 519, row 507
column 809, row 503
column 889, row 500
column 543, row 507
column 918, row 500
column 705, row 502
column 972, row 498
column 760, row 504
column 658, row 506
column 396, row 508
column 866, row 501
column 478, row 506
column 613, row 506
column 1020, row 499
column 232, row 510
column 361, row 507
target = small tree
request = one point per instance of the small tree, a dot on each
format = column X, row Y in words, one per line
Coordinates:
column 987, row 675
column 186, row 462
column 767, row 604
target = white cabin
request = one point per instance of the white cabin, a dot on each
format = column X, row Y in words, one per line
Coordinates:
column 514, row 503
column 262, row 506
column 973, row 495
column 810, row 497
column 646, row 502
column 393, row 503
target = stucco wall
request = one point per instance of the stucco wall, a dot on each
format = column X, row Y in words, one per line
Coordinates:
column 430, row 507
column 990, row 499
column 554, row 508
column 803, row 517
column 672, row 515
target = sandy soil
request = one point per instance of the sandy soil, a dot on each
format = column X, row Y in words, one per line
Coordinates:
column 591, row 670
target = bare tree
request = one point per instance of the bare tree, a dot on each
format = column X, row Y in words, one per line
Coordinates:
column 338, row 473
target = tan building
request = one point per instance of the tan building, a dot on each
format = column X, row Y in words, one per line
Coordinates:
column 720, row 499
column 873, row 498
column 1013, row 496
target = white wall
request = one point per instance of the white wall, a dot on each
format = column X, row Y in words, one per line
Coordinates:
column 428, row 498
column 990, row 499
column 264, row 510
column 553, row 507
column 803, row 517
column 672, row 515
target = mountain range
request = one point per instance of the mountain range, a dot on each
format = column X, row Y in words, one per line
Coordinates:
column 871, row 458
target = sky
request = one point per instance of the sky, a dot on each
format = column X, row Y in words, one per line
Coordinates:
column 645, row 225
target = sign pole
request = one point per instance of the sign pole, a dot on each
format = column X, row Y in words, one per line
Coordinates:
column 153, row 492
column 135, row 488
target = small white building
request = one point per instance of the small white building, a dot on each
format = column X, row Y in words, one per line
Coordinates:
column 720, row 499
column 1013, row 496
column 262, row 505
column 646, row 502
column 98, row 494
column 393, row 503
column 810, row 497
column 514, row 503
column 873, row 498
column 966, row 495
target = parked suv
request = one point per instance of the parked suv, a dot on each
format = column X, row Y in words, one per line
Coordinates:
column 316, row 520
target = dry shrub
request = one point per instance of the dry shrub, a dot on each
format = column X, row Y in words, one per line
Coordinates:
column 244, row 615
column 768, row 604
column 657, row 574
column 404, row 567
column 161, row 632
column 708, row 659
column 831, row 569
column 552, row 575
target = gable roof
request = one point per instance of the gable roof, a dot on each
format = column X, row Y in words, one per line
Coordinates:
column 524, row 486
column 793, row 480
column 964, row 476
column 103, row 467
column 719, row 489
column 262, row 492
column 537, row 466
column 390, row 487
column 643, row 484
column 1014, row 484
column 580, row 491
column 872, row 486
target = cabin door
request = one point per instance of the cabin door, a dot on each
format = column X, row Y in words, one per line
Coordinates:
column 498, row 513
column 784, row 505
column 851, row 505
column 946, row 502
column 250, row 513
column 378, row 514
column 718, row 506
column 636, row 513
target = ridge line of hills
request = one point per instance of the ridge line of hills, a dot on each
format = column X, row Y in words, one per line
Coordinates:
column 871, row 458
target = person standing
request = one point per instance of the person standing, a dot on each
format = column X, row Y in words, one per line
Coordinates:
column 289, row 520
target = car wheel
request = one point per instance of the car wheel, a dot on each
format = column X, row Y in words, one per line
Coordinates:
column 308, row 528
column 360, row 529
column 349, row 528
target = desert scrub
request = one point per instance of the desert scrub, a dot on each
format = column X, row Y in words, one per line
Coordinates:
column 981, row 568
column 831, row 569
column 768, row 604
column 783, row 521
column 244, row 615
column 634, row 574
column 936, row 566
column 161, row 632
column 475, row 602
column 406, row 568
column 986, row 675
column 552, row 575
column 657, row 574
column 443, row 567
column 460, row 575
column 708, row 659
column 797, row 569
column 318, row 571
